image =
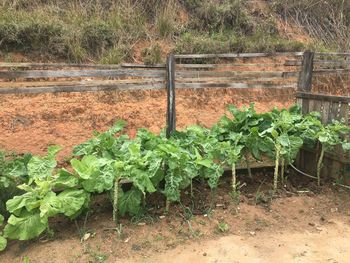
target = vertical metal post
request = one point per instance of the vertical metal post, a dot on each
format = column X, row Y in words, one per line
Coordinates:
column 171, row 112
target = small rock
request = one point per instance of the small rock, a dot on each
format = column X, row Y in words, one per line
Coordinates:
column 252, row 233
column 127, row 240
column 141, row 224
column 311, row 224
column 136, row 247
column 161, row 217
column 204, row 254
column 86, row 237
column 219, row 205
column 333, row 210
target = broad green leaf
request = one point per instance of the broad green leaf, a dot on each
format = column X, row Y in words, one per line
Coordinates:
column 3, row 243
column 129, row 202
column 323, row 138
column 346, row 146
column 1, row 219
column 72, row 201
column 205, row 162
column 50, row 205
column 117, row 127
column 26, row 227
column 17, row 203
column 100, row 180
column 86, row 167
column 52, row 151
column 283, row 140
column 41, row 168
column 135, row 149
column 142, row 181
column 66, row 179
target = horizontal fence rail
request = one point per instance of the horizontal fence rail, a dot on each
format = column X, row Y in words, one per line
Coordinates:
column 231, row 71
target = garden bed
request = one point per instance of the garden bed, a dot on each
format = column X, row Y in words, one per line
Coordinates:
column 291, row 226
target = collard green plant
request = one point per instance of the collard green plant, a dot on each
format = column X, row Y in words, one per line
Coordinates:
column 31, row 210
column 153, row 163
column 3, row 241
column 330, row 136
column 13, row 171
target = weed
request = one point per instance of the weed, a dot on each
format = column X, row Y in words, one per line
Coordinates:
column 152, row 55
column 95, row 255
column 222, row 227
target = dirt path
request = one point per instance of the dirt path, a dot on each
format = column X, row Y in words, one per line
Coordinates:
column 331, row 244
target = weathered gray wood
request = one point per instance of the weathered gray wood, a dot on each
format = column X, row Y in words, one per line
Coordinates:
column 326, row 97
column 238, row 55
column 81, row 73
column 237, row 79
column 265, row 74
column 171, row 109
column 94, row 82
column 319, row 72
column 57, row 65
column 75, row 88
column 319, row 63
column 344, row 54
column 305, row 77
column 219, row 66
column 233, row 85
column 133, row 65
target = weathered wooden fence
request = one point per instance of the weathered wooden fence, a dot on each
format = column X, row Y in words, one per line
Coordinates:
column 313, row 78
column 313, row 95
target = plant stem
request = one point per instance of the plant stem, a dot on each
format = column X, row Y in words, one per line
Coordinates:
column 234, row 180
column 275, row 178
column 167, row 206
column 115, row 201
column 319, row 165
column 248, row 166
column 191, row 188
column 213, row 197
column 282, row 170
column 144, row 200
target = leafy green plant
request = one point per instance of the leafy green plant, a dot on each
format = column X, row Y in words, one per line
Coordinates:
column 223, row 227
column 13, row 171
column 3, row 241
column 330, row 136
column 286, row 143
column 153, row 163
column 31, row 210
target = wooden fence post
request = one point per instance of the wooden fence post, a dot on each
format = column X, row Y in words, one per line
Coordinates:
column 170, row 83
column 305, row 78
column 305, row 85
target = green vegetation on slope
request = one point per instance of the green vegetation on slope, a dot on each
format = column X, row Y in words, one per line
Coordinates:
column 108, row 31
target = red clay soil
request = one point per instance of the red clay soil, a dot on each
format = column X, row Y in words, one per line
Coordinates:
column 30, row 123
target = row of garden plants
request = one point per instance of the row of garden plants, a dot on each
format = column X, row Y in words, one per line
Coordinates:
column 34, row 188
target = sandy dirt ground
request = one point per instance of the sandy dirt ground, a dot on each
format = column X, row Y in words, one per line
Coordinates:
column 303, row 226
column 30, row 123
column 330, row 244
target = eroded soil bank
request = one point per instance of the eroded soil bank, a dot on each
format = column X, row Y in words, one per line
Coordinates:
column 30, row 123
